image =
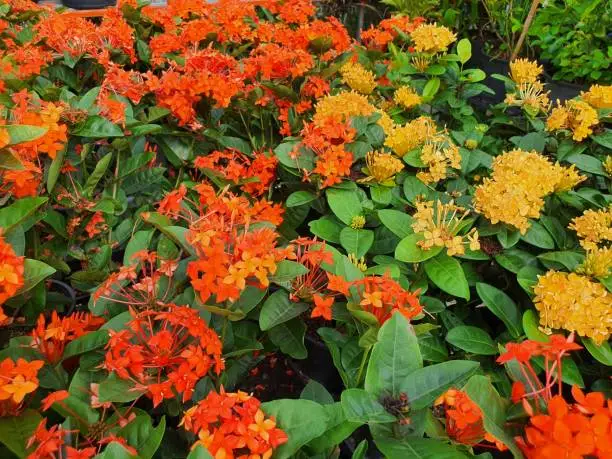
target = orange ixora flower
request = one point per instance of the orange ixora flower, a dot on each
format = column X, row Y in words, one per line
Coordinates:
column 388, row 30
column 570, row 430
column 50, row 338
column 380, row 296
column 143, row 284
column 464, row 419
column 253, row 175
column 11, row 275
column 233, row 425
column 165, row 353
column 17, row 380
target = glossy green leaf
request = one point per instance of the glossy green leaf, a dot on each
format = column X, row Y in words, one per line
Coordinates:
column 408, row 250
column 20, row 133
column 300, row 198
column 278, row 308
column 602, row 352
column 356, row 241
column 447, row 274
column 98, row 127
column 16, row 430
column 344, row 204
column 398, row 222
column 393, row 358
column 15, row 214
column 361, row 406
column 289, row 337
column 34, row 272
column 472, row 339
column 502, row 306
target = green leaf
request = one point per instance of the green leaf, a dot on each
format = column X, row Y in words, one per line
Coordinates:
column 54, row 170
column 114, row 450
column 418, row 448
column 316, row 392
column 414, row 188
column 141, row 435
column 299, row 198
column 326, row 228
column 302, row 421
column 424, row 385
column 289, row 336
column 602, row 352
column 431, row 88
column 139, row 241
column 567, row 259
column 344, row 204
column 531, row 324
column 464, row 50
column 16, row 430
column 493, row 407
column 399, row 223
column 98, row 127
column 86, row 343
column 446, row 273
column 361, row 450
column 587, row 163
column 34, row 272
column 471, row 339
column 502, row 306
column 9, row 161
column 515, row 259
column 24, row 133
column 15, row 214
column 115, row 389
column 361, row 406
column 539, row 236
column 278, row 308
column 287, row 270
column 604, row 139
column 356, row 241
column 199, row 452
column 394, row 357
column 97, row 175
column 408, row 250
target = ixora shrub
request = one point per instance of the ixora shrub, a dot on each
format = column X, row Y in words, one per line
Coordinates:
column 190, row 194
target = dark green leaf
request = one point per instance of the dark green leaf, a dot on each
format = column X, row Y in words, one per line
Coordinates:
column 446, row 273
column 472, row 339
column 363, row 407
column 502, row 306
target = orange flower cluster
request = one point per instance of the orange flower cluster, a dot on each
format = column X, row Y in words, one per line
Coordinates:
column 310, row 286
column 570, row 430
column 165, row 353
column 464, row 419
column 387, row 30
column 552, row 351
column 327, row 139
column 380, row 296
column 232, row 425
column 254, row 175
column 11, row 275
column 50, row 339
column 230, row 253
column 17, row 379
column 137, row 284
column 25, row 181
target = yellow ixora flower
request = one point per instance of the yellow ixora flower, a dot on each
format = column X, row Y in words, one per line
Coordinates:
column 520, row 180
column 608, row 165
column 525, row 71
column 439, row 154
column 574, row 303
column 407, row 97
column 598, row 263
column 576, row 116
column 359, row 263
column 381, row 167
column 598, row 96
column 431, row 38
column 411, row 135
column 357, row 77
column 440, row 225
column 593, row 227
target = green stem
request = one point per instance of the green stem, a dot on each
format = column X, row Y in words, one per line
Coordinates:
column 366, row 352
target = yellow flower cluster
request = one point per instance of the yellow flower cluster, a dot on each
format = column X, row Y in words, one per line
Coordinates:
column 608, row 165
column 598, row 96
column 519, row 182
column 402, row 139
column 439, row 154
column 358, row 77
column 575, row 303
column 598, row 263
column 358, row 222
column 431, row 38
column 525, row 71
column 576, row 115
column 342, row 106
column 593, row 227
column 359, row 263
column 529, row 93
column 440, row 224
column 346, row 104
column 381, row 167
column 407, row 97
